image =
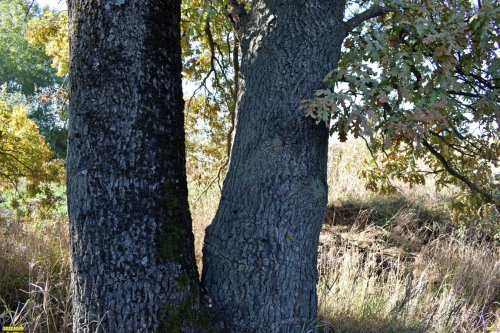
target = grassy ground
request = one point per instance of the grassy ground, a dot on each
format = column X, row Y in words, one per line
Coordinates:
column 387, row 264
column 34, row 275
column 400, row 263
column 402, row 275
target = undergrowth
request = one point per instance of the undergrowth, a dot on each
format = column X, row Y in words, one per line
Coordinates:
column 401, row 263
column 405, row 276
column 35, row 276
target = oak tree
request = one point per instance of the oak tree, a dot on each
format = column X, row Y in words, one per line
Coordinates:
column 133, row 265
column 260, row 251
column 421, row 86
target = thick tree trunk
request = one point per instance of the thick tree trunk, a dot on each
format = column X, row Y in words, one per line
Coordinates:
column 133, row 265
column 261, row 249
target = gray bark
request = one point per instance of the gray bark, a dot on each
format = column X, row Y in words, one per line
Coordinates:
column 260, row 251
column 133, row 265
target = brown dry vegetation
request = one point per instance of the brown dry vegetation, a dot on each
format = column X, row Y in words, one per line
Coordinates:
column 405, row 278
column 387, row 264
column 34, row 275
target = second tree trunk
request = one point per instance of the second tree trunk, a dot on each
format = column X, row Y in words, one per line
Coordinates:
column 261, row 249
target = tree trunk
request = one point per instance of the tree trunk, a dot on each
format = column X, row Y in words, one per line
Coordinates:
column 261, row 249
column 133, row 264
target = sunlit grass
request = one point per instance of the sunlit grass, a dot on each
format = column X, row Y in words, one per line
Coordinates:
column 370, row 284
column 387, row 264
column 398, row 263
column 34, row 276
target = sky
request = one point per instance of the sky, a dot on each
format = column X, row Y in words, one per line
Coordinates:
column 54, row 4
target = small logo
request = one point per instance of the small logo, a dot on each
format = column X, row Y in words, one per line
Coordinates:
column 13, row 329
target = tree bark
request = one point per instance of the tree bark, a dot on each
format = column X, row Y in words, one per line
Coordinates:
column 260, row 251
column 133, row 264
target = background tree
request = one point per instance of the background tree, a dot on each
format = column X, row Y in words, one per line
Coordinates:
column 133, row 265
column 22, row 67
column 211, row 65
column 26, row 68
column 25, row 158
column 49, row 30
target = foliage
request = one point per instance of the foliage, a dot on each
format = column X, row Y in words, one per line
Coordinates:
column 420, row 85
column 206, row 128
column 51, row 119
column 210, row 65
column 25, row 157
column 50, row 31
column 22, row 67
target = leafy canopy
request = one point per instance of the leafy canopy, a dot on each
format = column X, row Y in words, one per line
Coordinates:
column 421, row 86
column 22, row 67
column 25, row 157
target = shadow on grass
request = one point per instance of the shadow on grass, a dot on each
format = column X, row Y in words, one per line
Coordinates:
column 373, row 325
column 392, row 220
column 381, row 210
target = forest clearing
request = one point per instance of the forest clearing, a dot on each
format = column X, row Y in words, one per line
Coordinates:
column 278, row 166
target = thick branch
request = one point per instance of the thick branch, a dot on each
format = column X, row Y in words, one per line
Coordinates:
column 473, row 187
column 232, row 111
column 370, row 13
column 463, row 93
column 458, row 148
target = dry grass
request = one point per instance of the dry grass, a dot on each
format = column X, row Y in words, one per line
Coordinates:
column 346, row 185
column 35, row 276
column 387, row 264
column 203, row 210
column 369, row 283
column 397, row 264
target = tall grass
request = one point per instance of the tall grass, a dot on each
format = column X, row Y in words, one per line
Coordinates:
column 369, row 284
column 387, row 264
column 35, row 277
column 346, row 185
column 398, row 263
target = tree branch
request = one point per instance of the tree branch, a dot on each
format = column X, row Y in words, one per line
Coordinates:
column 473, row 187
column 370, row 13
column 463, row 93
column 211, row 47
